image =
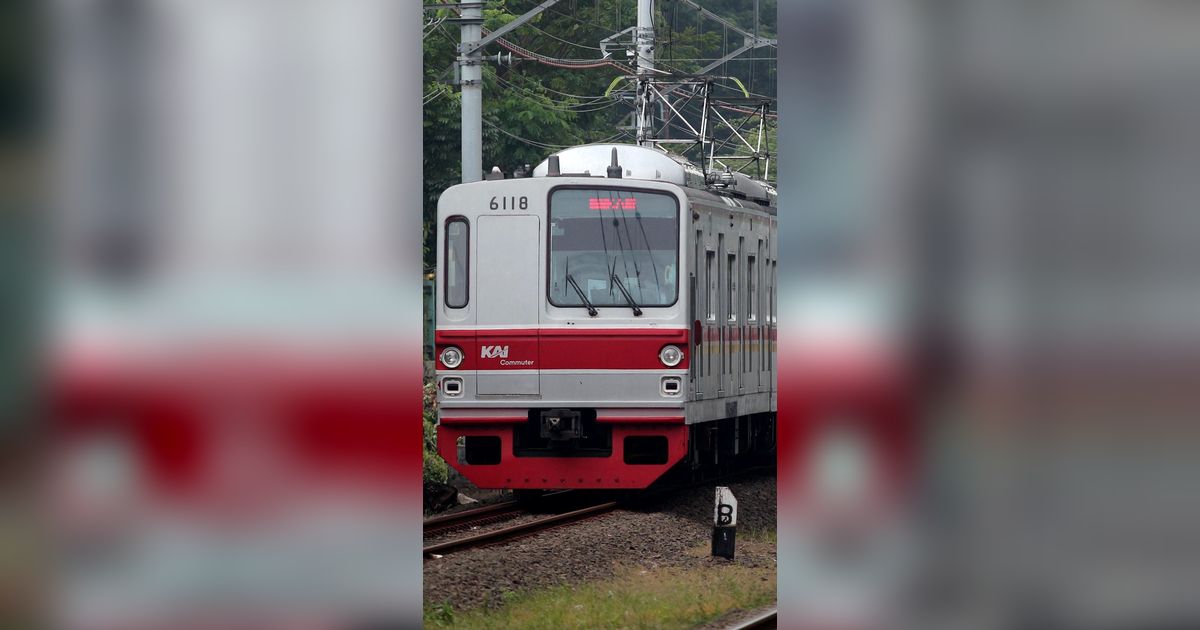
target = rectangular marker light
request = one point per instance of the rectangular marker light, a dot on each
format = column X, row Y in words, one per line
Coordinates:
column 628, row 203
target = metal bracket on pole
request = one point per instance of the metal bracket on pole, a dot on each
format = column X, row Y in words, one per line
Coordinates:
column 500, row 32
column 608, row 41
column 452, row 5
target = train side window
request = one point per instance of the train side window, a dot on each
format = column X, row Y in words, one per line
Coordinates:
column 769, row 280
column 766, row 317
column 710, row 276
column 730, row 274
column 774, row 291
column 457, row 260
column 771, row 292
column 751, row 289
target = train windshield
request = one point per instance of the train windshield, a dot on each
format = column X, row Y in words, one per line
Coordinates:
column 606, row 240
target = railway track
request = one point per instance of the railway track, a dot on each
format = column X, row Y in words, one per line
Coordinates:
column 470, row 518
column 762, row 621
column 516, row 531
column 488, row 514
column 511, row 509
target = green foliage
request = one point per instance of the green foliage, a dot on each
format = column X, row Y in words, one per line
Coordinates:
column 531, row 109
column 440, row 615
column 434, row 467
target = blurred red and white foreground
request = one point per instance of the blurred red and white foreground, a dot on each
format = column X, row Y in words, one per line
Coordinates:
column 234, row 345
column 988, row 217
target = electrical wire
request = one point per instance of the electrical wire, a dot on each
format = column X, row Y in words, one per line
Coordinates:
column 743, row 110
column 534, row 143
column 592, row 103
column 574, row 64
column 543, row 101
column 672, row 59
column 553, row 36
column 431, row 25
column 433, row 98
column 438, row 92
column 543, row 145
column 596, row 98
column 535, row 94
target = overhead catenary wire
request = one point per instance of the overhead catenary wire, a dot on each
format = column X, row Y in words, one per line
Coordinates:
column 544, row 145
column 557, row 100
column 543, row 101
column 586, row 97
column 534, row 143
column 558, row 62
column 565, row 41
column 431, row 25
column 608, row 100
column 743, row 110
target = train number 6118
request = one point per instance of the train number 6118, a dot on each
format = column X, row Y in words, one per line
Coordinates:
column 509, row 203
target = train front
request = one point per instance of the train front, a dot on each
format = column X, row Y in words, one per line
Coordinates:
column 562, row 338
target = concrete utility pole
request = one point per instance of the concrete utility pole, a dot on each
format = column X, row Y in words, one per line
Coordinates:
column 471, row 77
column 645, row 66
column 470, row 66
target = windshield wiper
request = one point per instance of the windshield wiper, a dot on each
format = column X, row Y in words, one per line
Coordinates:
column 637, row 310
column 575, row 285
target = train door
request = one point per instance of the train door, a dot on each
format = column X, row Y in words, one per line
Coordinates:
column 711, row 299
column 731, row 325
column 754, row 338
column 508, row 298
column 696, row 362
column 739, row 302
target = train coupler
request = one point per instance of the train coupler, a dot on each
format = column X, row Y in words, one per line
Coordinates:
column 561, row 424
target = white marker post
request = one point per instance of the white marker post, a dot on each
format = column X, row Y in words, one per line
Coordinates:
column 724, row 523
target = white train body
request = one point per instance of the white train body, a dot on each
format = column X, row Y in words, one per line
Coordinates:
column 593, row 331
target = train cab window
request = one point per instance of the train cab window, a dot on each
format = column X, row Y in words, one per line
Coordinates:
column 457, row 260
column 609, row 247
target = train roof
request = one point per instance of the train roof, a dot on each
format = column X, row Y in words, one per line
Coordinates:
column 647, row 163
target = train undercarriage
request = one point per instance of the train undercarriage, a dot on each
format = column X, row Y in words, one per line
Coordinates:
column 583, row 448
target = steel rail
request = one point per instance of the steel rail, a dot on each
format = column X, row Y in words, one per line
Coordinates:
column 450, row 521
column 507, row 533
column 761, row 621
column 486, row 513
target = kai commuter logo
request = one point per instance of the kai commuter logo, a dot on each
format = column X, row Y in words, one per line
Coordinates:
column 492, row 352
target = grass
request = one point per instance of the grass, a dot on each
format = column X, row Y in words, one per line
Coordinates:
column 634, row 598
column 763, row 536
column 757, row 541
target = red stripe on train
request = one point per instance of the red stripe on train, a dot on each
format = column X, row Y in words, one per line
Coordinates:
column 563, row 349
column 477, row 420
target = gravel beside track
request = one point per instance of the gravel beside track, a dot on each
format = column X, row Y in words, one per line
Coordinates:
column 650, row 536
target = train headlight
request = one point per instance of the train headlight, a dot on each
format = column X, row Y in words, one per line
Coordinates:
column 670, row 356
column 452, row 357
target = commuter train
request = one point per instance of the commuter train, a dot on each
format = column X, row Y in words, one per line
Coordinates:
column 604, row 319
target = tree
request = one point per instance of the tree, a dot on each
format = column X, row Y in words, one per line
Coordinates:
column 530, row 109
